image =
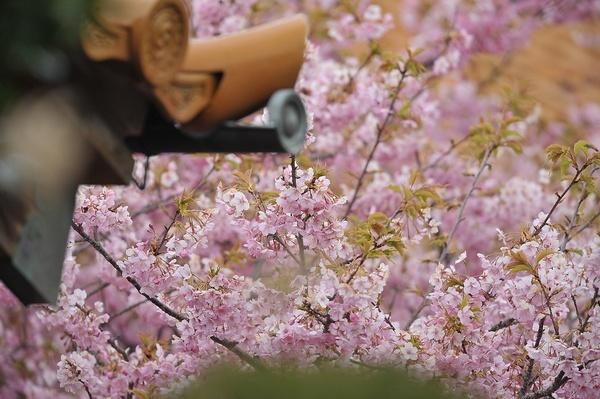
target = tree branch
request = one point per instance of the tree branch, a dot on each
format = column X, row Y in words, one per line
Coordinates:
column 87, row 390
column 113, row 342
column 547, row 299
column 459, row 219
column 299, row 236
column 579, row 319
column 527, row 373
column 380, row 130
column 453, row 146
column 127, row 309
column 324, row 319
column 289, row 252
column 586, row 225
column 166, row 233
column 98, row 289
column 567, row 237
column 98, row 247
column 463, row 206
column 362, row 258
column 232, row 346
column 593, row 303
column 363, row 65
column 559, row 199
column 503, row 324
column 559, row 381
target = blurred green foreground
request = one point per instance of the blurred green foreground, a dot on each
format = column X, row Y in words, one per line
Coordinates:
column 331, row 384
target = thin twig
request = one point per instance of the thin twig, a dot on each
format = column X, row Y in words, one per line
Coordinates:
column 127, row 309
column 380, row 130
column 166, row 233
column 386, row 318
column 276, row 237
column 463, row 206
column 362, row 66
column 579, row 319
column 595, row 301
column 547, row 299
column 572, row 221
column 299, row 236
column 453, row 146
column 586, row 225
column 558, row 382
column 324, row 319
column 417, row 312
column 362, row 259
column 98, row 289
column 232, row 346
column 559, row 199
column 87, row 390
column 527, row 373
column 114, row 344
column 459, row 219
column 504, row 324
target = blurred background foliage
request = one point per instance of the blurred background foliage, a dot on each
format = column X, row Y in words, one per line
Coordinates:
column 554, row 67
column 35, row 38
column 324, row 384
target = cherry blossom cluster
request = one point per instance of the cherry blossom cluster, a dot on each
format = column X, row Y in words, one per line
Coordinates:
column 525, row 322
column 428, row 225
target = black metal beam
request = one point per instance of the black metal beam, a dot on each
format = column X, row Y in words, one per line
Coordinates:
column 17, row 283
column 160, row 137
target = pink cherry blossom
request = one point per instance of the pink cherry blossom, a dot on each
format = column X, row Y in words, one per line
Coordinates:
column 423, row 227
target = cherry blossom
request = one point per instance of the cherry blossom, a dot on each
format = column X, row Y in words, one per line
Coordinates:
column 427, row 225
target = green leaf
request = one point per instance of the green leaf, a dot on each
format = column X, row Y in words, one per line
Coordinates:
column 565, row 164
column 509, row 121
column 139, row 394
column 376, row 254
column 578, row 251
column 543, row 254
column 268, row 196
column 414, row 67
column 519, row 257
column 515, row 146
column 516, row 267
column 555, row 151
column 377, row 218
column 414, row 176
column 405, row 110
column 429, row 193
column 395, row 188
column 520, row 263
column 581, row 147
column 397, row 244
column 510, row 133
